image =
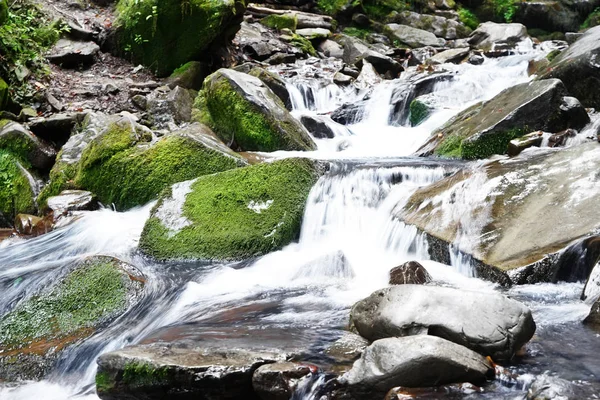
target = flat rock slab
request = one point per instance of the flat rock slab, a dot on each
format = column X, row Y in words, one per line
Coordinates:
column 489, row 323
column 416, row 361
column 70, row 54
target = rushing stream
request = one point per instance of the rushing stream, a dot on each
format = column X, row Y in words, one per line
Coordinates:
column 349, row 242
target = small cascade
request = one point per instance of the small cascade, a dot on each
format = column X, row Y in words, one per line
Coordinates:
column 310, row 388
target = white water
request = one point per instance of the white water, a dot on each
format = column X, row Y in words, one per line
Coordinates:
column 349, row 240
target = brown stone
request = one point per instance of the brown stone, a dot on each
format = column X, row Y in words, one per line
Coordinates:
column 409, row 273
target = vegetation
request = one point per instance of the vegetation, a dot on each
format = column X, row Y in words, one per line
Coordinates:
column 360, row 33
column 280, row 21
column 481, row 146
column 418, row 112
column 505, row 9
column 236, row 214
column 592, row 20
column 16, row 194
column 331, row 7
column 467, row 17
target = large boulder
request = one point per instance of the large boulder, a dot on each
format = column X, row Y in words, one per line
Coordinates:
column 248, row 116
column 502, row 202
column 125, row 164
column 490, row 34
column 486, row 128
column 22, row 143
column 438, row 25
column 554, row 15
column 578, row 69
column 165, row 34
column 18, row 189
column 415, row 361
column 89, row 296
column 236, row 214
column 488, row 323
column 412, row 37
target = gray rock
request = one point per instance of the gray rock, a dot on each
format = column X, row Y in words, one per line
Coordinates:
column 271, row 79
column 415, row 361
column 72, row 200
column 305, row 19
column 476, row 59
column 489, row 323
column 490, row 35
column 355, row 50
column 260, row 43
column 15, row 138
column 409, row 273
column 318, row 126
column 140, row 102
column 342, row 79
column 553, row 15
column 314, row 33
column 57, row 128
column 190, row 76
column 539, row 105
column 347, row 348
column 591, row 290
column 454, row 56
column 572, row 37
column 278, row 381
column 368, row 76
column 533, row 139
column 546, row 387
column 413, row 37
column 331, row 49
column 169, row 108
column 578, row 69
column 439, row 26
column 70, row 54
column 593, row 318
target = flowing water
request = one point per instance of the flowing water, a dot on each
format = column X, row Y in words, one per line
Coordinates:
column 349, row 242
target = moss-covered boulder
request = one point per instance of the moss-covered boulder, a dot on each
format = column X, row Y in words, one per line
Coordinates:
column 578, row 69
column 165, row 34
column 4, row 93
column 124, row 164
column 248, row 116
column 232, row 215
column 487, row 128
column 190, row 75
column 18, row 189
column 88, row 297
column 284, row 21
column 271, row 79
column 19, row 141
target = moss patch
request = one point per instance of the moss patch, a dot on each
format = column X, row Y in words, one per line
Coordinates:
column 164, row 34
column 592, row 20
column 4, row 94
column 478, row 147
column 95, row 291
column 303, row 44
column 236, row 214
column 16, row 194
column 280, row 21
column 418, row 112
column 467, row 17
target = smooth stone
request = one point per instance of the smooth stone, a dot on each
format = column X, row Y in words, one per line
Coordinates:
column 70, row 54
column 409, row 273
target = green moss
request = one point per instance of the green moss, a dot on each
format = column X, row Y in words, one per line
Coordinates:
column 200, row 112
column 144, row 375
column 331, row 7
column 303, row 44
column 553, row 54
column 280, row 21
column 91, row 293
column 360, row 33
column 592, row 20
column 4, row 94
column 223, row 225
column 467, row 17
column 164, row 34
column 479, row 147
column 16, row 194
column 3, row 11
column 418, row 112
column 450, row 147
column 62, row 177
column 137, row 175
column 104, row 382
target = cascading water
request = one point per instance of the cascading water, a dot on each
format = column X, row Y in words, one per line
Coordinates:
column 350, row 240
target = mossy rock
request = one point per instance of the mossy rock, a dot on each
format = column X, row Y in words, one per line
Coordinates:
column 248, row 116
column 17, row 189
column 189, row 76
column 285, row 21
column 4, row 93
column 419, row 112
column 91, row 295
column 486, row 128
column 165, row 34
column 232, row 215
column 15, row 139
column 127, row 166
column 271, row 79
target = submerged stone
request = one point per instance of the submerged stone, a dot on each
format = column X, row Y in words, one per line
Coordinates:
column 248, row 116
column 91, row 295
column 488, row 323
column 231, row 215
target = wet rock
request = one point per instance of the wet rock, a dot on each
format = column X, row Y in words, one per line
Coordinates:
column 546, row 387
column 260, row 43
column 203, row 25
column 503, row 212
column 125, row 164
column 355, row 50
column 86, row 298
column 31, row 225
column 572, row 37
column 489, row 323
column 415, row 361
column 441, row 392
column 71, row 54
column 278, row 381
column 420, row 109
column 318, row 126
column 490, row 35
column 593, row 318
column 413, row 37
column 281, row 58
column 368, row 76
column 189, row 76
column 181, row 368
column 347, row 348
column 439, row 26
column 57, row 128
column 454, row 56
column 476, row 59
column 72, row 200
column 263, row 213
column 409, row 273
column 349, row 113
column 560, row 139
column 20, row 142
column 577, row 68
column 169, row 108
column 342, row 79
column 533, row 139
column 331, row 49
column 272, row 80
column 248, row 116
column 591, row 290
column 539, row 105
